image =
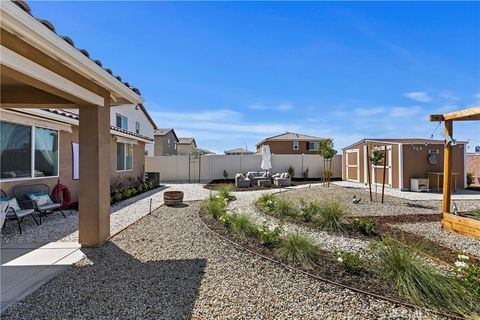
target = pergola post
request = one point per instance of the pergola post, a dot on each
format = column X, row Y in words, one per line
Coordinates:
column 94, row 191
column 447, row 169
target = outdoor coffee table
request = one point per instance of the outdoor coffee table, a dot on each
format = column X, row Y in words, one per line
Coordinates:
column 264, row 183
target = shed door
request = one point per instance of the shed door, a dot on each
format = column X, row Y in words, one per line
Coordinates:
column 353, row 165
column 377, row 170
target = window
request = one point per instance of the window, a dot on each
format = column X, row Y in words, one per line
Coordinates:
column 137, row 127
column 124, row 156
column 168, row 143
column 122, row 122
column 295, row 145
column 312, row 146
column 27, row 155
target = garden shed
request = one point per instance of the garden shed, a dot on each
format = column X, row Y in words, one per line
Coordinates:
column 405, row 159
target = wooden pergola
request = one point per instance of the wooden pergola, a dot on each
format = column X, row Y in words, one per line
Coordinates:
column 451, row 222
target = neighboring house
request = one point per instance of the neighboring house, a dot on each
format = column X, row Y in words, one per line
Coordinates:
column 204, row 152
column 238, row 151
column 291, row 143
column 41, row 145
column 405, row 159
column 473, row 166
column 186, row 146
column 165, row 142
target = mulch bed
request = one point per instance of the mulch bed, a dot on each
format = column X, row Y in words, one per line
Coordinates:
column 326, row 266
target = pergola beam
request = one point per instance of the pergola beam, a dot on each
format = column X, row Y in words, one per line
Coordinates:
column 461, row 115
column 30, row 97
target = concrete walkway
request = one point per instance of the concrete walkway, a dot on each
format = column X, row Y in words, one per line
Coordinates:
column 40, row 253
column 409, row 195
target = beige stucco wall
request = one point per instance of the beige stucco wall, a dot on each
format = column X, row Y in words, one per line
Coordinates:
column 66, row 164
column 473, row 165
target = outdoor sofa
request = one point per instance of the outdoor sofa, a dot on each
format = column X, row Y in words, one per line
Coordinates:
column 282, row 179
column 255, row 176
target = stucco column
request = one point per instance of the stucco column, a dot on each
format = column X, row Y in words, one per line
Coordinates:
column 94, row 193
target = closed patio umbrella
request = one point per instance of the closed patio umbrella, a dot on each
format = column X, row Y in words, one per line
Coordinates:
column 266, row 158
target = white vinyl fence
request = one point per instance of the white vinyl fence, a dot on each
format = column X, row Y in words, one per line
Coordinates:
column 210, row 167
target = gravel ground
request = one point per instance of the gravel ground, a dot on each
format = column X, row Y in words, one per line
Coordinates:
column 391, row 205
column 245, row 202
column 169, row 266
column 434, row 231
column 56, row 228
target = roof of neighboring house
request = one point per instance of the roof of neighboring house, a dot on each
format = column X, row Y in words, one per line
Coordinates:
column 26, row 8
column 142, row 107
column 290, row 136
column 188, row 140
column 239, row 150
column 164, row 131
column 205, row 151
column 75, row 116
column 404, row 141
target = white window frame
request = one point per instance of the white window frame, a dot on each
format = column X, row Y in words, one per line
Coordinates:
column 137, row 127
column 315, row 143
column 122, row 117
column 296, row 145
column 125, row 157
column 32, row 154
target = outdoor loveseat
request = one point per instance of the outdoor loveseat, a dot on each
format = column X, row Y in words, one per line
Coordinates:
column 282, row 179
column 255, row 176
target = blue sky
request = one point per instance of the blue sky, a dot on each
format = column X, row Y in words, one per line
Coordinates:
column 231, row 73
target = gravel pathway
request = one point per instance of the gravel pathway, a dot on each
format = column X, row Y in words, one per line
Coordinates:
column 56, row 228
column 391, row 205
column 434, row 231
column 245, row 202
column 169, row 266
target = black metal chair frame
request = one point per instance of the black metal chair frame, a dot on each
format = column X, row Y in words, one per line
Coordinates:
column 20, row 192
column 22, row 205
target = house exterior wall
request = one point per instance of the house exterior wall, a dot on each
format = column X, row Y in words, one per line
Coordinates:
column 138, row 167
column 286, row 147
column 185, row 149
column 473, row 166
column 65, row 168
column 415, row 162
column 161, row 146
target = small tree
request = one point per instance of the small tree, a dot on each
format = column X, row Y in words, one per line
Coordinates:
column 327, row 151
column 291, row 171
column 225, row 175
column 378, row 155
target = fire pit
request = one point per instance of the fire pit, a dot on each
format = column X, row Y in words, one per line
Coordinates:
column 173, row 198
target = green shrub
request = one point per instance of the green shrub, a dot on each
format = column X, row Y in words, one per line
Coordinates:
column 476, row 213
column 291, row 171
column 331, row 215
column 127, row 193
column 305, row 173
column 421, row 282
column 215, row 206
column 308, row 211
column 364, row 226
column 117, row 196
column 267, row 202
column 243, row 225
column 471, row 273
column 269, row 236
column 224, row 190
column 140, row 188
column 150, row 185
column 470, row 178
column 284, row 208
column 349, row 260
column 299, row 249
column 133, row 191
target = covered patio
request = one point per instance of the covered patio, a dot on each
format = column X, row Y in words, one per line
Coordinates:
column 41, row 69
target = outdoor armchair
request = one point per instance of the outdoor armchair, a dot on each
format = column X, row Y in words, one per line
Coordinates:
column 11, row 213
column 22, row 193
column 282, row 180
column 241, row 181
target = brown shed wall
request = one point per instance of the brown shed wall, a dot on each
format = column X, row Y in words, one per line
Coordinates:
column 473, row 166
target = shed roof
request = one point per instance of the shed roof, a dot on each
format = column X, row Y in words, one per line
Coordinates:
column 402, row 141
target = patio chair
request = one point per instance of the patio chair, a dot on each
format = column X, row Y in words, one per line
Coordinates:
column 241, row 181
column 21, row 193
column 26, row 209
column 282, row 180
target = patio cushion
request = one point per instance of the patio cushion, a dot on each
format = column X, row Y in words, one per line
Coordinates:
column 12, row 203
column 20, row 213
column 50, row 206
column 40, row 198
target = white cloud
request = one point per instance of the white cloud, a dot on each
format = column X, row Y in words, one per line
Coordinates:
column 281, row 107
column 420, row 96
column 405, row 112
column 367, row 112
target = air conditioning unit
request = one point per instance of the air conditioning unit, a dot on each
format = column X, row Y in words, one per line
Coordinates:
column 153, row 177
column 419, row 184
